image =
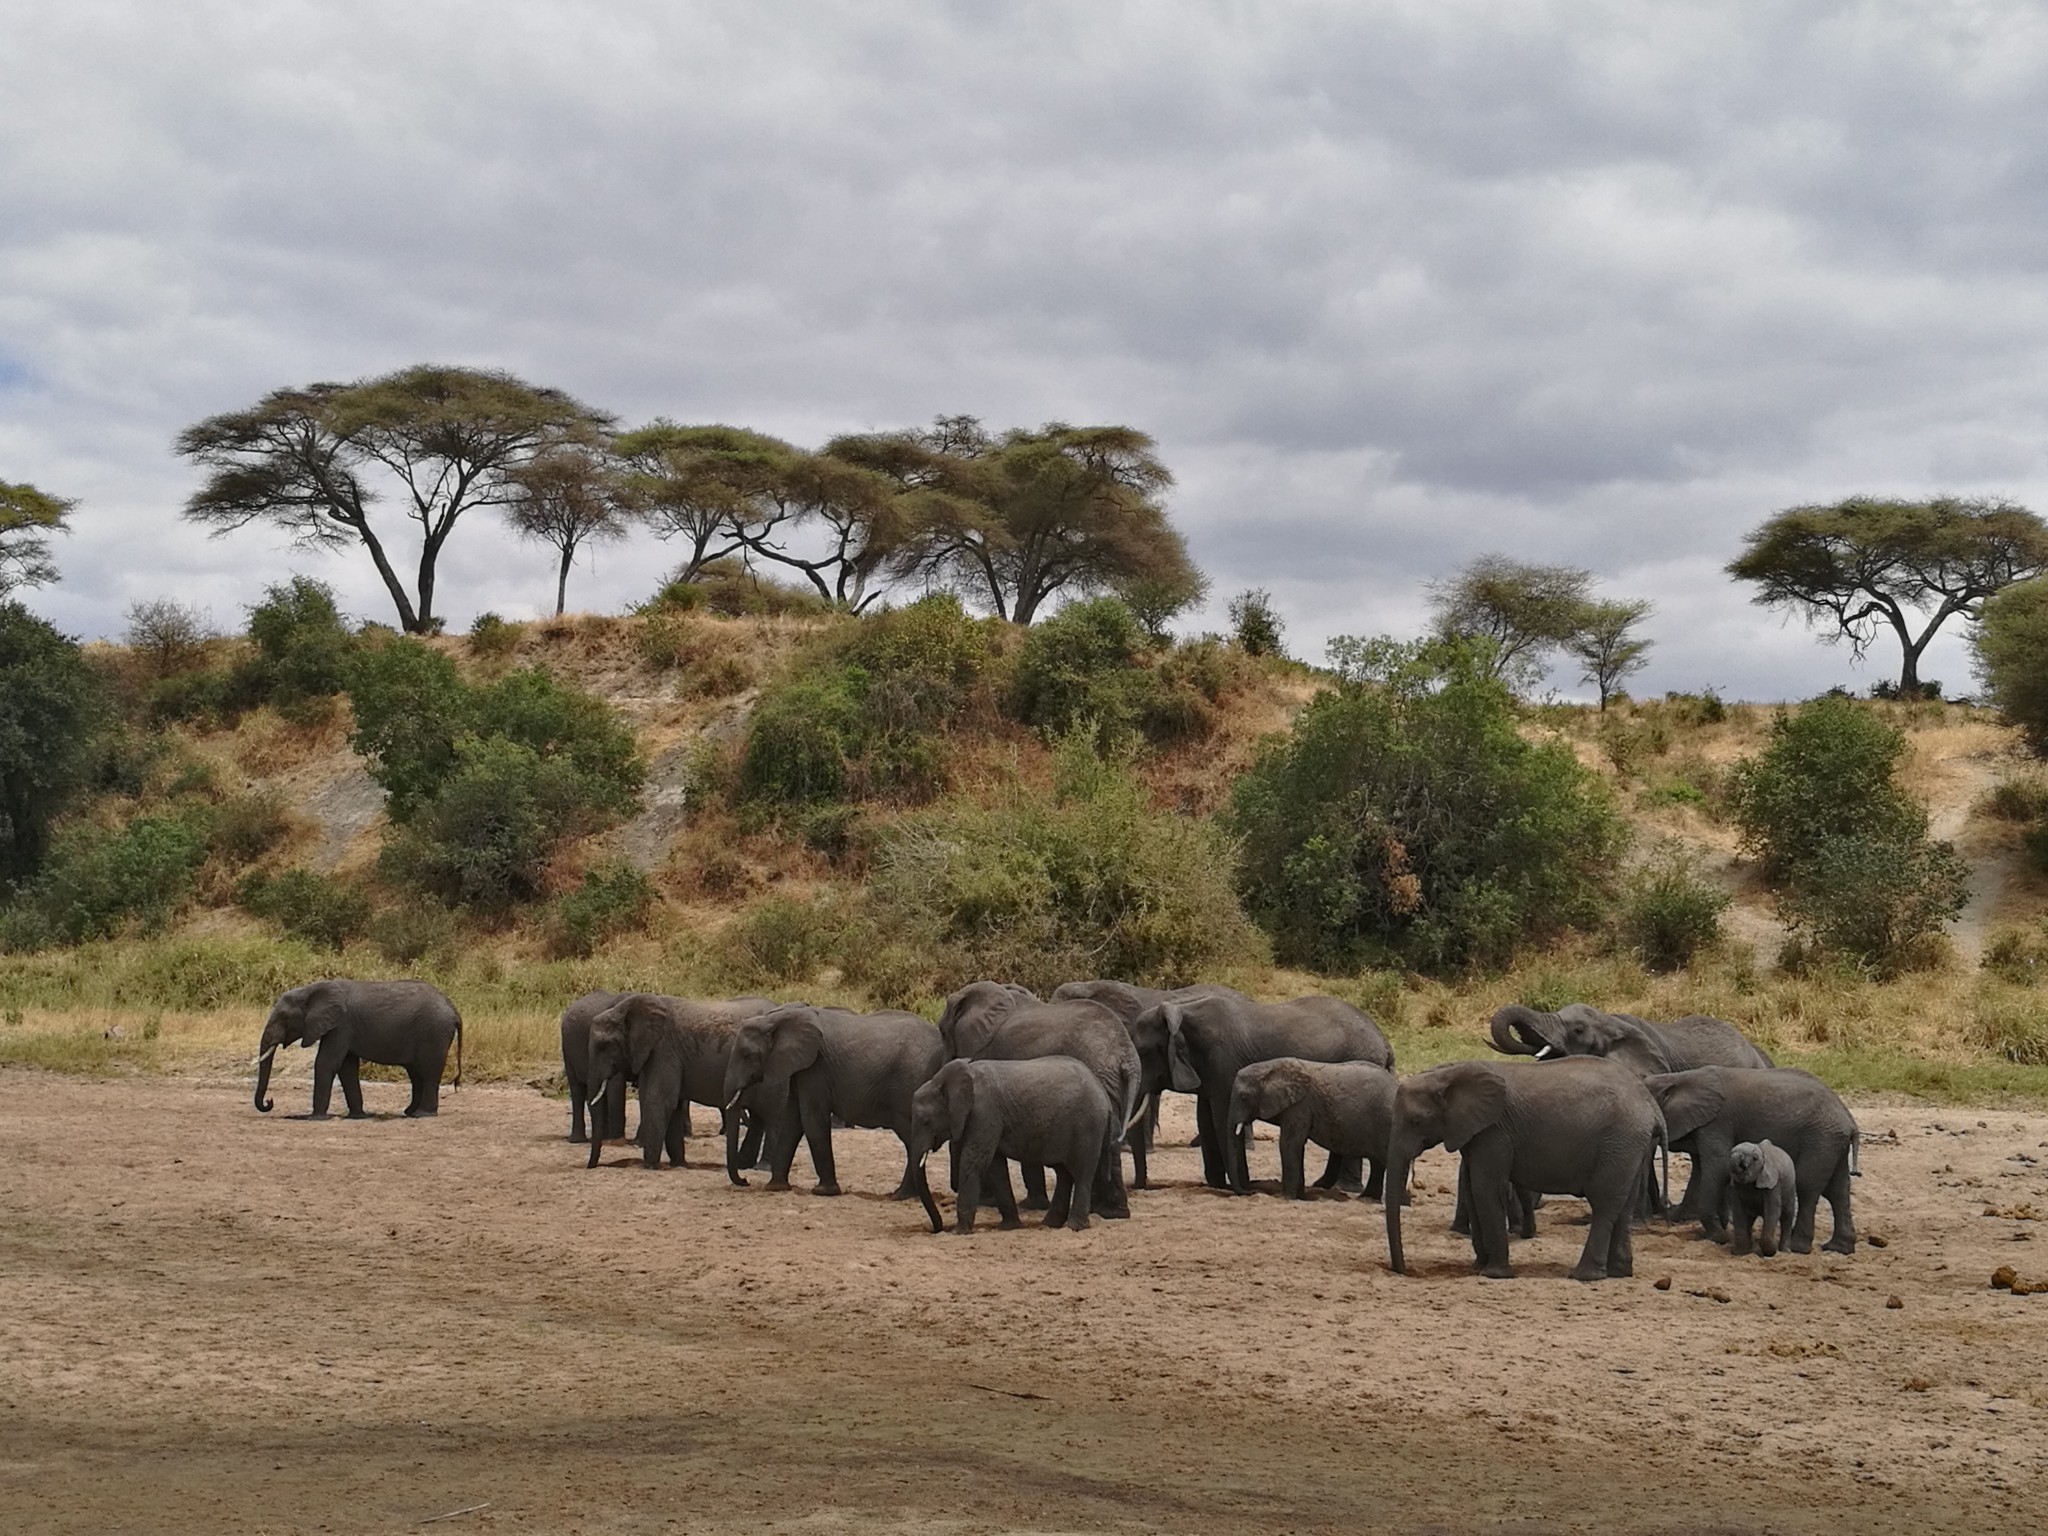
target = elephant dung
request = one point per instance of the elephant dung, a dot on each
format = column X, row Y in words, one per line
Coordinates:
column 2004, row 1278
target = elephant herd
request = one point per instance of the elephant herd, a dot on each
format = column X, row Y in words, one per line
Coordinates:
column 1070, row 1082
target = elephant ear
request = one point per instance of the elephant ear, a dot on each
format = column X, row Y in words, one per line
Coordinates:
column 949, row 1021
column 1640, row 1051
column 796, row 1043
column 1473, row 1100
column 959, row 1105
column 646, row 1021
column 324, row 1011
column 1180, row 1065
column 1282, row 1086
column 1689, row 1100
column 1766, row 1166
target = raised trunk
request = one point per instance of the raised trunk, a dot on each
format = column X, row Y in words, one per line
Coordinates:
column 1511, row 1029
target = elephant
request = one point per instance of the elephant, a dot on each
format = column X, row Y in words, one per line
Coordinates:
column 677, row 1049
column 1578, row 1127
column 1710, row 1109
column 1221, row 1032
column 972, row 1014
column 576, row 1067
column 861, row 1068
column 1048, row 1109
column 1344, row 1107
column 1090, row 1034
column 405, row 1024
column 1579, row 1029
column 1163, row 1068
column 1761, row 1183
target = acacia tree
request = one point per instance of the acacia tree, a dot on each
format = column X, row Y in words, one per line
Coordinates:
column 1015, row 520
column 445, row 440
column 1607, row 646
column 1526, row 611
column 27, row 518
column 568, row 496
column 703, row 485
column 1866, row 564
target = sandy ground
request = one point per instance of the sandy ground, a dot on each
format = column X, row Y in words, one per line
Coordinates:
column 215, row 1321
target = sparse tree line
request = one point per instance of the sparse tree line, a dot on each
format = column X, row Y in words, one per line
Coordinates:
column 1404, row 821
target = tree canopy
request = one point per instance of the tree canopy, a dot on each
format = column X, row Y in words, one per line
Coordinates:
column 2012, row 657
column 443, row 440
column 52, row 708
column 567, row 496
column 1865, row 565
column 27, row 519
column 1607, row 646
column 1526, row 611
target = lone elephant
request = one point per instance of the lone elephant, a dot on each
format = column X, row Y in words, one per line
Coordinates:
column 405, row 1024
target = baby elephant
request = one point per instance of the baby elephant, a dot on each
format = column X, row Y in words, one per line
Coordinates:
column 1344, row 1107
column 1050, row 1110
column 1761, row 1183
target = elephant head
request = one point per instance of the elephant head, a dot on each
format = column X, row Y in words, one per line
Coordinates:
column 1578, row 1029
column 938, row 1114
column 1451, row 1105
column 303, row 1014
column 1163, row 1049
column 623, row 1039
column 1748, row 1165
column 973, row 1013
column 1266, row 1090
column 769, row 1047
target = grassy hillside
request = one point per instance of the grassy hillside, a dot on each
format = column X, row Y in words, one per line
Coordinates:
column 745, row 898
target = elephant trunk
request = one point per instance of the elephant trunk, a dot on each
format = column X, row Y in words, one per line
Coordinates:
column 732, row 1119
column 924, row 1194
column 263, row 1104
column 1237, row 1136
column 598, row 1124
column 1512, row 1032
column 1394, row 1194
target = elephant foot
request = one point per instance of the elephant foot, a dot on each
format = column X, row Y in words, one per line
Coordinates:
column 1119, row 1213
column 1502, row 1271
column 577, row 1138
column 1769, row 1253
column 902, row 1192
column 777, row 1186
column 1007, row 1224
column 1839, row 1245
column 1801, row 1245
column 416, row 1114
column 362, row 1114
column 1079, row 1223
column 1589, row 1272
column 1029, row 1204
column 319, row 1114
column 825, row 1189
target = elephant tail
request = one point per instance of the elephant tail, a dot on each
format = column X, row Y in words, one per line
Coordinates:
column 1856, row 1153
column 458, row 1052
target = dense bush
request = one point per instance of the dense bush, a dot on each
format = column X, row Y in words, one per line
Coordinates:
column 1404, row 819
column 246, row 827
column 801, row 739
column 410, row 708
column 1091, row 664
column 1846, row 845
column 1088, row 880
column 2012, row 658
column 2018, row 955
column 614, row 898
column 309, row 906
column 97, row 882
column 1254, row 624
column 54, row 713
column 491, row 636
column 300, row 648
column 727, row 588
column 1670, row 911
column 412, row 932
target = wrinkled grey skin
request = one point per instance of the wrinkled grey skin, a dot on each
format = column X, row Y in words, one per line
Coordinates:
column 1047, row 1110
column 676, row 1049
column 576, row 1067
column 1711, row 1109
column 1222, row 1032
column 1344, row 1107
column 1162, row 1069
column 405, row 1024
column 860, row 1068
column 1580, row 1127
column 1761, row 1183
column 1579, row 1029
column 1091, row 1035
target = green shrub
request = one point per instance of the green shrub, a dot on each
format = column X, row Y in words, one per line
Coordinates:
column 302, row 648
column 1039, row 889
column 314, row 907
column 2012, row 658
column 781, row 939
column 1089, row 664
column 1670, row 911
column 2013, row 1026
column 558, row 723
column 1254, row 624
column 726, row 587
column 487, row 836
column 98, row 882
column 1405, row 820
column 2018, row 956
column 410, row 709
column 613, row 899
column 491, row 636
column 1871, row 898
column 2023, row 799
column 54, row 716
column 1696, row 708
column 1827, row 773
column 801, row 739
column 414, row 931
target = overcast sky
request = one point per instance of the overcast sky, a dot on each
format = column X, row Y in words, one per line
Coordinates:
column 1391, row 284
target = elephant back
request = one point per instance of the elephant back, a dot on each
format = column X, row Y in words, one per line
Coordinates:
column 1701, row 1040
column 1085, row 1031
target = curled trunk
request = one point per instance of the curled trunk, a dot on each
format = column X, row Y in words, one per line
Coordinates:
column 1514, row 1033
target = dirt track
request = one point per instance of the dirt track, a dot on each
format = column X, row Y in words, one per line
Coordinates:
column 213, row 1321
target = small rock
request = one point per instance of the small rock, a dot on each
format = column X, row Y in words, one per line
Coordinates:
column 2004, row 1278
column 1878, row 1242
column 1893, row 1304
column 1661, row 1283
column 1918, row 1384
column 114, row 1032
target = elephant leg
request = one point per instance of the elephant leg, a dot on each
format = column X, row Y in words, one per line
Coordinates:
column 1376, row 1184
column 1140, row 1141
column 1621, row 1253
column 579, row 1092
column 1005, row 1196
column 1486, row 1189
column 1079, row 1181
column 1710, row 1179
column 906, row 1188
column 1210, row 1113
column 1062, row 1197
column 1843, row 1238
column 1294, row 1161
column 1343, row 1172
column 1461, row 1208
column 783, row 1133
column 1774, row 1223
column 1740, row 1224
column 1688, row 1207
column 814, row 1106
column 1611, row 1209
column 426, row 1093
column 351, row 1074
column 970, row 1196
column 678, row 1129
column 1525, row 1212
column 1034, row 1185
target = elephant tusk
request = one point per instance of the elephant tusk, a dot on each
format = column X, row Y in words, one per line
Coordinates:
column 1136, row 1115
column 265, row 1056
column 734, row 1100
column 1547, row 1052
